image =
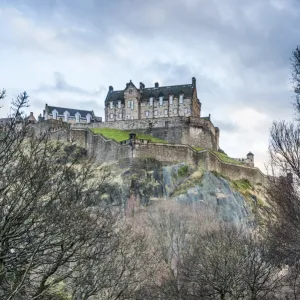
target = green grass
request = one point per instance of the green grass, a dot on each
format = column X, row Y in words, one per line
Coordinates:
column 183, row 171
column 223, row 157
column 243, row 185
column 198, row 149
column 123, row 135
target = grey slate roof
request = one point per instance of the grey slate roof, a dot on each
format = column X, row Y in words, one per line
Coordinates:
column 146, row 93
column 72, row 111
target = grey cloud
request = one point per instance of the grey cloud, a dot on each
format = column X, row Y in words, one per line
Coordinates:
column 60, row 84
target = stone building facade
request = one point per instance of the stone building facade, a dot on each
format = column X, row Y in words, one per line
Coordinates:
column 134, row 103
column 69, row 115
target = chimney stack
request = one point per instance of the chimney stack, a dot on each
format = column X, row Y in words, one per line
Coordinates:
column 111, row 88
column 142, row 86
column 156, row 84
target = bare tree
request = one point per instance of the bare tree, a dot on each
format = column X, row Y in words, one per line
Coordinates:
column 55, row 228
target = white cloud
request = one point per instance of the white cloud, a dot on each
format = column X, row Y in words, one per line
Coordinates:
column 238, row 51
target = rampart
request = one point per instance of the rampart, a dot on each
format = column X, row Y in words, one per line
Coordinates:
column 105, row 150
column 177, row 130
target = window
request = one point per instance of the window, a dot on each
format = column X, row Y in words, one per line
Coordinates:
column 151, row 101
column 128, row 103
column 171, row 99
column 111, row 105
column 111, row 116
column 147, row 113
column 88, row 118
column 175, row 111
column 161, row 100
column 130, row 91
column 66, row 116
column 181, row 98
column 77, row 117
column 54, row 114
column 166, row 111
column 128, row 117
column 120, row 116
column 155, row 113
column 185, row 110
column 132, row 103
column 119, row 104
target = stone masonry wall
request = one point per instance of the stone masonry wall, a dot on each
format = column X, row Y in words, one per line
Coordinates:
column 205, row 159
column 103, row 150
column 179, row 130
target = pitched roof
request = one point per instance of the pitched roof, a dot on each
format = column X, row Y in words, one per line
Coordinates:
column 165, row 91
column 72, row 111
column 186, row 89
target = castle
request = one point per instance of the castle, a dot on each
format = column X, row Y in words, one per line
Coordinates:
column 164, row 123
column 172, row 113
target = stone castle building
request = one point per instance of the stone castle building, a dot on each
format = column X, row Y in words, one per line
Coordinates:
column 172, row 113
column 151, row 103
column 69, row 115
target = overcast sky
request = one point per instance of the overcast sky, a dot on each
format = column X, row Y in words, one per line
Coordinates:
column 67, row 53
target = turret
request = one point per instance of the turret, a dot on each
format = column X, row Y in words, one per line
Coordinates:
column 250, row 159
column 194, row 81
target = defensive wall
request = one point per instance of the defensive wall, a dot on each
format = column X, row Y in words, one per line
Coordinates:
column 105, row 150
column 178, row 130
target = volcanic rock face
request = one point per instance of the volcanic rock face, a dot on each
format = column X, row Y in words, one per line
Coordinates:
column 145, row 182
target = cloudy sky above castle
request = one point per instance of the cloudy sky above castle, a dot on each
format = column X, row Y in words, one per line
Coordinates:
column 67, row 53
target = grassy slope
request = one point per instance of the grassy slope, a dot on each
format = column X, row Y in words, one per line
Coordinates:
column 123, row 135
column 223, row 157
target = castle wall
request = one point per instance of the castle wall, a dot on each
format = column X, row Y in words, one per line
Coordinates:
column 205, row 159
column 179, row 130
column 103, row 150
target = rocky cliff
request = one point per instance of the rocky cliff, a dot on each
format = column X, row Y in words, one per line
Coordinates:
column 143, row 182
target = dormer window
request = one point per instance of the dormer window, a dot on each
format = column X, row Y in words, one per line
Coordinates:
column 151, row 101
column 181, row 98
column 161, row 100
column 119, row 104
column 111, row 105
column 66, row 116
column 171, row 99
column 77, row 117
column 54, row 114
column 88, row 118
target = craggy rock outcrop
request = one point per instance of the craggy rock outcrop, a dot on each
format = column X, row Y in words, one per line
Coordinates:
column 148, row 181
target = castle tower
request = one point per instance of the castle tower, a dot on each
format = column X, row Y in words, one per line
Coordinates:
column 250, row 159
